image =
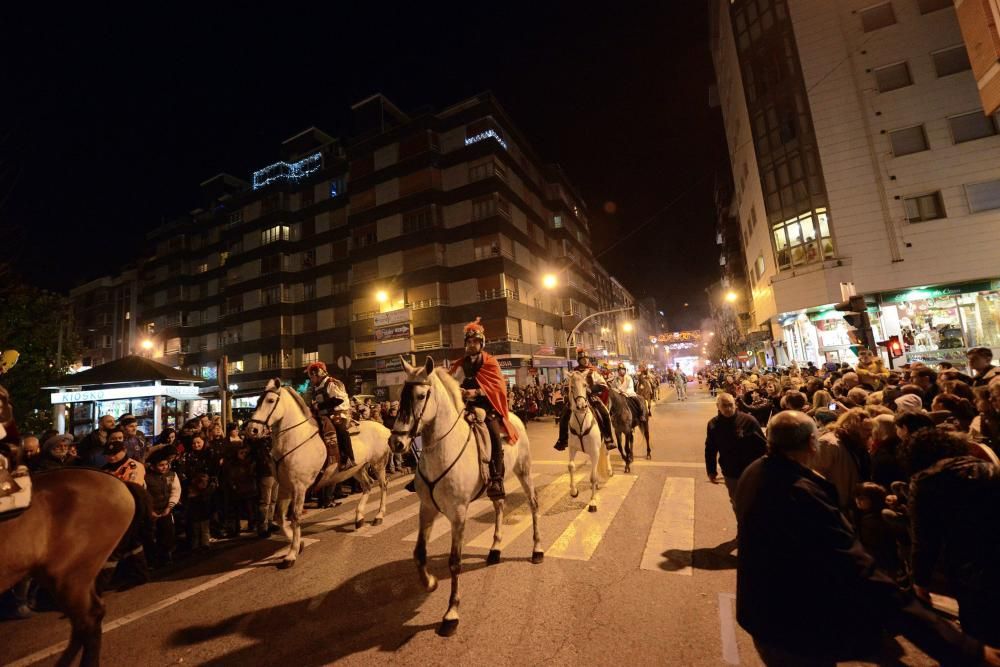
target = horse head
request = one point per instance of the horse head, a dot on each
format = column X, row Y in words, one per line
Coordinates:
column 413, row 401
column 269, row 411
column 578, row 389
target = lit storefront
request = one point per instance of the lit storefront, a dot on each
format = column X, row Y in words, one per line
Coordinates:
column 937, row 324
column 819, row 335
column 157, row 395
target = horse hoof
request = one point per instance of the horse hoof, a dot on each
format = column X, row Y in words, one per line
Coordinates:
column 592, row 508
column 377, row 522
column 358, row 523
column 574, row 493
column 649, row 456
column 494, row 557
column 537, row 557
column 302, row 546
column 285, row 564
column 628, row 468
column 448, row 627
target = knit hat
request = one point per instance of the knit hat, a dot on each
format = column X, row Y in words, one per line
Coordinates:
column 160, row 453
column 909, row 403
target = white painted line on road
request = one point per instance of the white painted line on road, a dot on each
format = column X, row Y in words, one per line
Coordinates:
column 519, row 519
column 481, row 507
column 50, row 651
column 727, row 628
column 354, row 499
column 580, row 539
column 672, row 530
column 650, row 464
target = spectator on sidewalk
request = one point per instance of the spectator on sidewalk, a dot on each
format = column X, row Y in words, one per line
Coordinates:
column 734, row 440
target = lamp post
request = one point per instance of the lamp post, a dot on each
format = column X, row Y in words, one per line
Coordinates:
column 569, row 339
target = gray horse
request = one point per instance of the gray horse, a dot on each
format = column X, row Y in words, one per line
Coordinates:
column 624, row 421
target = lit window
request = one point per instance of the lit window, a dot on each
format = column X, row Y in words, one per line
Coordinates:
column 236, row 366
column 804, row 239
column 758, row 267
column 276, row 233
column 924, row 207
column 202, row 268
column 892, row 77
column 908, row 140
column 951, row 60
column 877, row 17
column 983, row 196
column 971, row 126
column 310, row 357
column 557, row 221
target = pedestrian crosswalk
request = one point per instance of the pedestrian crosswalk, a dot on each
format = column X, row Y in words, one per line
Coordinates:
column 570, row 531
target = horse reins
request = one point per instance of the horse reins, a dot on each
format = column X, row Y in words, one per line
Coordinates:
column 274, row 434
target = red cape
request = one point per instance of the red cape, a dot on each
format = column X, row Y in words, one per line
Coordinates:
column 493, row 384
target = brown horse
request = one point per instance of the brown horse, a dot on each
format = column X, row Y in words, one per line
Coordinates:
column 76, row 519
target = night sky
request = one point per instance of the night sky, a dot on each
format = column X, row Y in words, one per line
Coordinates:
column 112, row 120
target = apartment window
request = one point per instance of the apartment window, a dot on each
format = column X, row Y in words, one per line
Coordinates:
column 540, row 333
column 202, row 268
column 308, row 258
column 272, row 360
column 908, row 140
column 234, row 219
column 272, row 263
column 557, row 221
column 484, row 208
column 276, row 233
column 418, row 220
column 951, row 60
column 236, row 366
column 513, row 329
column 758, row 267
column 971, row 126
column 308, row 290
column 877, row 17
column 804, row 239
column 928, row 6
column 924, row 207
column 336, row 187
column 307, row 197
column 480, row 171
column 223, row 257
column 983, row 196
column 234, row 304
column 270, row 295
column 362, row 237
column 310, row 357
column 105, row 341
column 892, row 77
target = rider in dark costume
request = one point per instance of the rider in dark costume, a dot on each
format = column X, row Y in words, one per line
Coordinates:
column 597, row 384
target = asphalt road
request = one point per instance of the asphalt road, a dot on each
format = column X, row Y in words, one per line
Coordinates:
column 648, row 579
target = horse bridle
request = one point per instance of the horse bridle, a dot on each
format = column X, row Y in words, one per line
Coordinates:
column 413, row 430
column 266, row 423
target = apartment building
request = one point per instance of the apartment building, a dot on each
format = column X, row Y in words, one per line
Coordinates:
column 104, row 318
column 862, row 158
column 383, row 245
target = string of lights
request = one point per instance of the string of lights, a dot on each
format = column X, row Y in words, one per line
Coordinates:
column 287, row 171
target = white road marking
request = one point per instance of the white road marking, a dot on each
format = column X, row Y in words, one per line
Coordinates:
column 483, row 506
column 580, row 539
column 672, row 529
column 50, row 651
column 519, row 519
column 727, row 628
column 373, row 497
column 637, row 463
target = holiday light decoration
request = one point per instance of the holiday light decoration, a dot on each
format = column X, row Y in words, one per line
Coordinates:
column 284, row 171
column 482, row 136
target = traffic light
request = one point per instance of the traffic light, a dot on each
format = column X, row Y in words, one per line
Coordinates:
column 856, row 315
column 894, row 346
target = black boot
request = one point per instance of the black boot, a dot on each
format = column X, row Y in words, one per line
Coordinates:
column 494, row 488
column 562, row 442
column 604, row 421
column 346, row 450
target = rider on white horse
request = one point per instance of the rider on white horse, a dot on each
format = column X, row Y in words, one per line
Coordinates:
column 597, row 383
column 328, row 398
column 622, row 382
column 483, row 386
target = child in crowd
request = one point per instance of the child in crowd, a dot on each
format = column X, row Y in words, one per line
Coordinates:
column 198, row 502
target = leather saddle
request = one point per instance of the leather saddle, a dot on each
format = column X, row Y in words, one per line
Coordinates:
column 15, row 494
column 476, row 417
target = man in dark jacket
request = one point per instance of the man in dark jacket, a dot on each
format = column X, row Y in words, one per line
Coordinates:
column 735, row 439
column 806, row 590
column 954, row 513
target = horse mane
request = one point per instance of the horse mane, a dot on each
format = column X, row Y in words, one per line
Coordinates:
column 451, row 386
column 298, row 399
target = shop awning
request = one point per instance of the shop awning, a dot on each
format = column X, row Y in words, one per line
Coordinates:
column 126, row 370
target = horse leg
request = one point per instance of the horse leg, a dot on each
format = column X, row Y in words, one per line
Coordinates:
column 281, row 509
column 573, row 492
column 594, row 478
column 427, row 514
column 450, row 623
column 645, row 434
column 383, row 483
column 359, row 514
column 86, row 611
column 297, row 503
column 494, row 556
column 529, row 490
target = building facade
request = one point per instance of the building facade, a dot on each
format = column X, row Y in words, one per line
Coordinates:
column 862, row 160
column 387, row 244
column 104, row 315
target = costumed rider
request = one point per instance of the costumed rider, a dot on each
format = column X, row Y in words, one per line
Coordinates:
column 597, row 385
column 622, row 382
column 483, row 386
column 328, row 398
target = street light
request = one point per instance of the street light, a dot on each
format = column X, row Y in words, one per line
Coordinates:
column 381, row 296
column 627, row 327
column 731, row 296
column 549, row 281
column 147, row 344
column 711, row 333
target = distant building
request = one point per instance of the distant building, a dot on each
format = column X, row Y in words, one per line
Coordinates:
column 861, row 156
column 104, row 318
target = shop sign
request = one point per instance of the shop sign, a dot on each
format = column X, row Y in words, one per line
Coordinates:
column 510, row 364
column 935, row 292
column 389, row 365
column 394, row 332
column 179, row 392
column 547, row 362
column 392, row 317
column 546, row 349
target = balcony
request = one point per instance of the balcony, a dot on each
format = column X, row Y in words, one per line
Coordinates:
column 427, row 303
column 367, row 315
column 429, row 345
column 489, row 295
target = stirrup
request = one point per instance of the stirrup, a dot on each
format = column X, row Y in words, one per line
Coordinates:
column 346, row 465
column 495, row 490
column 561, row 445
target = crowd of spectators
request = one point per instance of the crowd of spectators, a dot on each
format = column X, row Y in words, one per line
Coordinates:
column 907, row 459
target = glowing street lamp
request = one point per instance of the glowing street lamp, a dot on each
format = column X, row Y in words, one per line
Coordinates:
column 711, row 333
column 627, row 327
column 381, row 296
column 731, row 296
column 147, row 344
column 549, row 281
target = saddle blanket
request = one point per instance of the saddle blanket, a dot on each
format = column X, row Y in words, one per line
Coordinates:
column 12, row 505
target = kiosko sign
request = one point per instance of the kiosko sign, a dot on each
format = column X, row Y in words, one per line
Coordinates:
column 180, row 392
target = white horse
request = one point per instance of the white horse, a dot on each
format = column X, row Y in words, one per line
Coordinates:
column 448, row 473
column 585, row 436
column 299, row 453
